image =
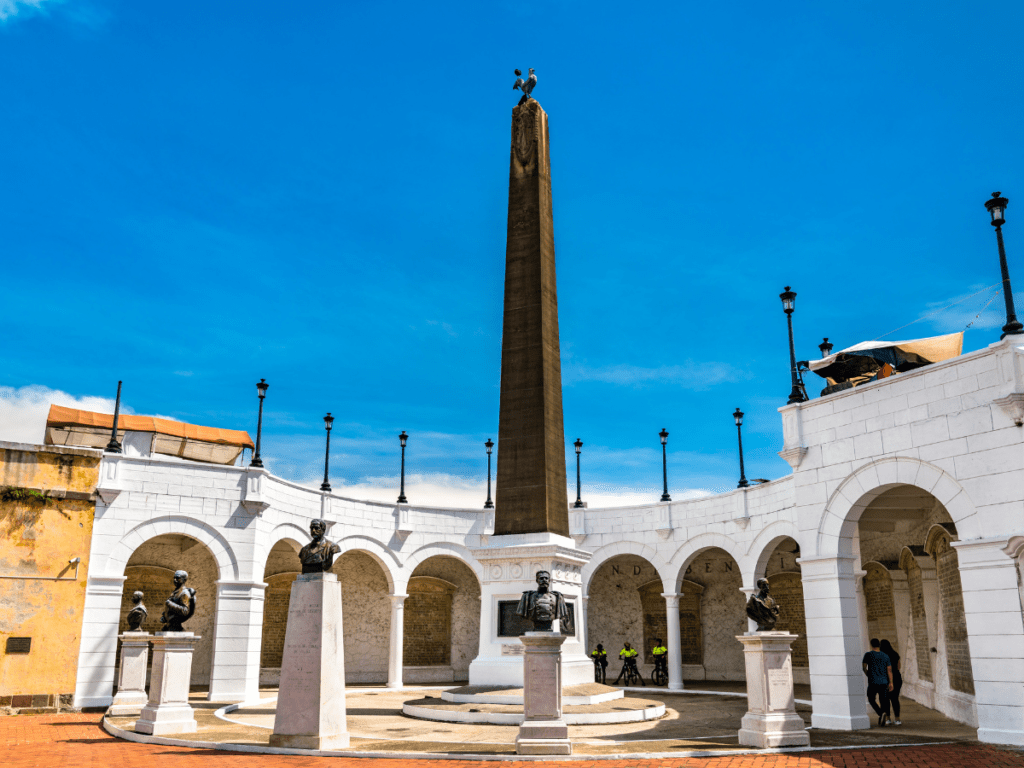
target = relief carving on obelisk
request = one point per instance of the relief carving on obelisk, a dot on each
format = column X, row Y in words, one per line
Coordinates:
column 524, row 134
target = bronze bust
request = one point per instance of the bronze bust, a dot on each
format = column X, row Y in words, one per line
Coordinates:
column 180, row 606
column 542, row 606
column 138, row 613
column 318, row 555
column 762, row 608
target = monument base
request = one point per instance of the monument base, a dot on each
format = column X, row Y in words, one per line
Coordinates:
column 771, row 719
column 510, row 564
column 543, row 731
column 168, row 710
column 131, row 694
column 311, row 698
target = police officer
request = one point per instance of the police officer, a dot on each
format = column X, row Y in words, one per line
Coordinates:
column 660, row 653
column 628, row 655
column 600, row 658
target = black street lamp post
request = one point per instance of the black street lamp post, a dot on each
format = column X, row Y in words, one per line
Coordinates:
column 578, row 445
column 664, row 464
column 262, row 389
column 326, row 484
column 797, row 395
column 997, row 208
column 489, row 445
column 114, row 446
column 738, row 416
column 401, row 493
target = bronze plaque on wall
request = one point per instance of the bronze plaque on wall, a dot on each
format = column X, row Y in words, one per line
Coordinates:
column 510, row 624
column 19, row 644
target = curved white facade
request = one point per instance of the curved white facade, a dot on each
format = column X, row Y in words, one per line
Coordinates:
column 947, row 433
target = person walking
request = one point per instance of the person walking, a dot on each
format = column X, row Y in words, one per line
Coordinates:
column 878, row 668
column 897, row 679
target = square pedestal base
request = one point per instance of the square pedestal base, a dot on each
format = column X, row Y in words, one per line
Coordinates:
column 543, row 737
column 128, row 704
column 771, row 719
column 162, row 720
column 323, row 743
column 769, row 731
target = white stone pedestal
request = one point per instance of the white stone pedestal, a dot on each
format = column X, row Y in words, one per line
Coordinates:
column 771, row 719
column 510, row 564
column 311, row 698
column 168, row 710
column 543, row 731
column 131, row 683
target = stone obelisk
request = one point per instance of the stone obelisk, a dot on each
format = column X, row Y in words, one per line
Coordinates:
column 531, row 516
column 530, row 496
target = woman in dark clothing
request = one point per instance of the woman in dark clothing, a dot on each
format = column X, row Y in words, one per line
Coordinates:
column 897, row 679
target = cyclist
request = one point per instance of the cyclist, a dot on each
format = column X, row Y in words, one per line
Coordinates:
column 660, row 653
column 600, row 659
column 628, row 655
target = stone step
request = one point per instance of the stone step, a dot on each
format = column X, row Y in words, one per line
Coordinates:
column 572, row 695
column 624, row 710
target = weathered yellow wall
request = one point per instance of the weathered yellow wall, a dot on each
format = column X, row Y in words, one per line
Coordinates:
column 37, row 539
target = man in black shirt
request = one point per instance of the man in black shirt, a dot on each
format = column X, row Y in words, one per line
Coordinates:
column 878, row 668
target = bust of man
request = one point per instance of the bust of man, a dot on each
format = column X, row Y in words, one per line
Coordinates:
column 762, row 608
column 138, row 613
column 542, row 606
column 180, row 606
column 318, row 555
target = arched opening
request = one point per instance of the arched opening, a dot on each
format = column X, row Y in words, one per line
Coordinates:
column 909, row 593
column 442, row 621
column 625, row 606
column 721, row 615
column 366, row 614
column 784, row 579
column 150, row 569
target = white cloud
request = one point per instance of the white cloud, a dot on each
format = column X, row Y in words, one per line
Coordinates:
column 452, row 492
column 9, row 8
column 23, row 410
column 697, row 376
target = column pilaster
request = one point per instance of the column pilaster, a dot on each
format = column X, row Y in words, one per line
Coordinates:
column 396, row 649
column 675, row 646
column 237, row 642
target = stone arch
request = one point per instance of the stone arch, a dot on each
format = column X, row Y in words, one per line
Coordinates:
column 445, row 549
column 442, row 620
column 687, row 553
column 879, row 602
column 385, row 558
column 851, row 498
column 264, row 544
column 755, row 564
column 607, row 552
column 935, row 536
column 218, row 546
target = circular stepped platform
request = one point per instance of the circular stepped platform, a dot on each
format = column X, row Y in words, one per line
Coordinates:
column 620, row 709
column 572, row 695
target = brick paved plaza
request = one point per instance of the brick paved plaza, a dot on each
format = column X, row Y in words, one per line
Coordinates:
column 75, row 740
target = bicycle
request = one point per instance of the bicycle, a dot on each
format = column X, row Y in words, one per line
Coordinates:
column 629, row 674
column 660, row 674
column 599, row 671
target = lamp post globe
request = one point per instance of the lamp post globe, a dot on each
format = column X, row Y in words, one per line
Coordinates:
column 489, row 445
column 261, row 389
column 997, row 209
column 797, row 394
column 664, row 464
column 826, row 348
column 738, row 418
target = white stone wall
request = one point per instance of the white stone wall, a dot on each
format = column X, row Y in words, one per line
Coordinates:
column 949, row 429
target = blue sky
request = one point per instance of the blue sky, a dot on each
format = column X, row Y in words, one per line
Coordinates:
column 194, row 197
